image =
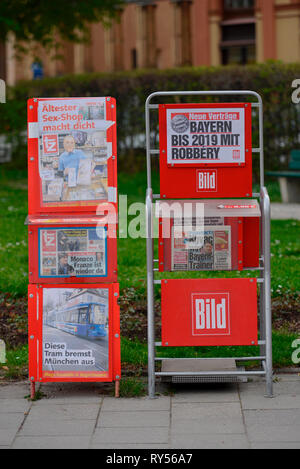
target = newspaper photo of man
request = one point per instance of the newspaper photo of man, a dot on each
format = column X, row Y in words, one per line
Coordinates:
column 63, row 267
column 71, row 157
column 208, row 248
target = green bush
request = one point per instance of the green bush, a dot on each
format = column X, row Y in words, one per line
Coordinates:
column 272, row 80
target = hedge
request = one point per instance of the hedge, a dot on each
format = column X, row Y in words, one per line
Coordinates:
column 272, row 80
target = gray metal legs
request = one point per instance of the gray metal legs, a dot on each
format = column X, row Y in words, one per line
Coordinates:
column 266, row 303
column 150, row 297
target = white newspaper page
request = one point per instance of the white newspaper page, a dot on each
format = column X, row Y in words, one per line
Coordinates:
column 209, row 249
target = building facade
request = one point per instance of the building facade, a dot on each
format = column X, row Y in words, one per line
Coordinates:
column 175, row 33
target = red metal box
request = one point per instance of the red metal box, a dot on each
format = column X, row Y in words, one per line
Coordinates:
column 208, row 234
column 72, row 249
column 209, row 312
column 74, row 332
column 72, row 154
column 205, row 150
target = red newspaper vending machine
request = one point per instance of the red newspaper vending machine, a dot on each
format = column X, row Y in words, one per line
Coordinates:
column 73, row 313
column 210, row 222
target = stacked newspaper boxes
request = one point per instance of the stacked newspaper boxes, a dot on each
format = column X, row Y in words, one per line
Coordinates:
column 205, row 156
column 73, row 312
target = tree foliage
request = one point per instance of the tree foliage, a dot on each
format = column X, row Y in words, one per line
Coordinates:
column 43, row 21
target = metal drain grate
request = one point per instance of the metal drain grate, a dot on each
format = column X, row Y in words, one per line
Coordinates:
column 207, row 366
column 206, row 379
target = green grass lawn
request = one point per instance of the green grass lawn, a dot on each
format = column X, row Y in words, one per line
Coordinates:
column 285, row 248
column 135, row 353
column 285, row 244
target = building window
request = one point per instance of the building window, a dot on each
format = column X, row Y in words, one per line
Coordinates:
column 241, row 55
column 149, row 35
column 238, row 32
column 238, row 43
column 182, row 20
column 238, row 4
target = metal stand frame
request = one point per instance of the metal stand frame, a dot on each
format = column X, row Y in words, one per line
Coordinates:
column 264, row 279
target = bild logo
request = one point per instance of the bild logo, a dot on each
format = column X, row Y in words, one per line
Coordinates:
column 207, row 180
column 210, row 314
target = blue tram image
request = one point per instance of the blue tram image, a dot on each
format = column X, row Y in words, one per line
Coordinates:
column 84, row 314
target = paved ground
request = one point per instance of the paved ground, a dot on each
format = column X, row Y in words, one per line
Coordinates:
column 285, row 211
column 196, row 416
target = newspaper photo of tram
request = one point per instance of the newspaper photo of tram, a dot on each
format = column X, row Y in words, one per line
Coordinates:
column 73, row 150
column 75, row 332
column 73, row 252
column 209, row 249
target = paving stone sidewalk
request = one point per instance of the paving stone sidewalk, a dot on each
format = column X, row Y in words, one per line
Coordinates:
column 196, row 416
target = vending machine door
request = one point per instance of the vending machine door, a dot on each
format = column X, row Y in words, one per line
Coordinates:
column 72, row 154
column 209, row 312
column 72, row 249
column 208, row 235
column 74, row 332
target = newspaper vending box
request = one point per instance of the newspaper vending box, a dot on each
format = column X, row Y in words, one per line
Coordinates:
column 73, row 316
column 80, row 249
column 71, row 154
column 209, row 220
column 74, row 332
column 208, row 234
